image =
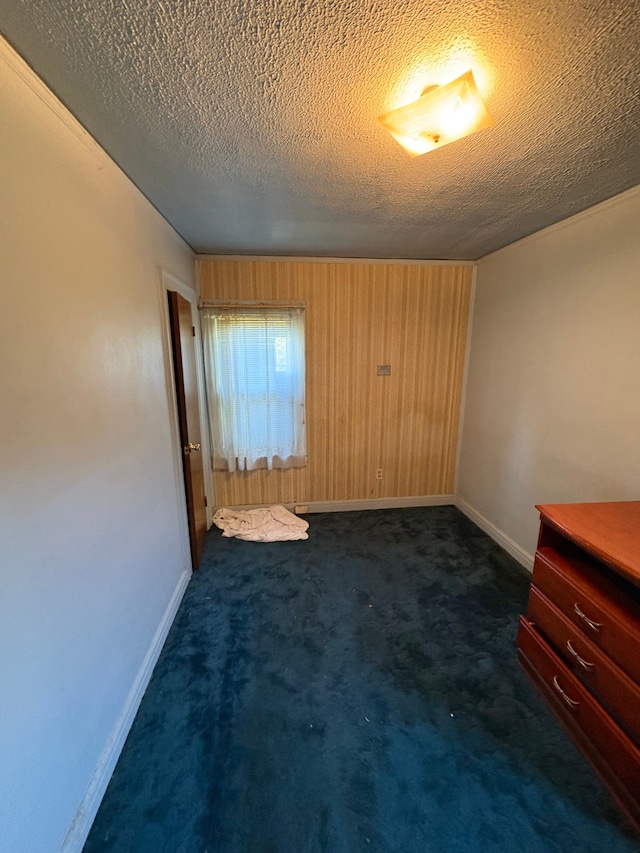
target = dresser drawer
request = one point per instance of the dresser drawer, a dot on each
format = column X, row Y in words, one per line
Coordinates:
column 591, row 665
column 610, row 624
column 610, row 750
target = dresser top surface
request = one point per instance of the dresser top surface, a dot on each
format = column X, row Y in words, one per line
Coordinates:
column 609, row 531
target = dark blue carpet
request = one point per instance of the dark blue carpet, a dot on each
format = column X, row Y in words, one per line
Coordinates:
column 358, row 691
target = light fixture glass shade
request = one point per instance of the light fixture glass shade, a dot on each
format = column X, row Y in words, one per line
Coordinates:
column 441, row 115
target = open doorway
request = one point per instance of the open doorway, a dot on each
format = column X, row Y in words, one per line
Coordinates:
column 189, row 427
column 186, row 385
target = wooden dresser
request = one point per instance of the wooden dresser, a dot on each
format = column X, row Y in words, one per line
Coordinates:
column 580, row 638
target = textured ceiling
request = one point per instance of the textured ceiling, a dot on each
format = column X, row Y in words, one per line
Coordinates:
column 251, row 124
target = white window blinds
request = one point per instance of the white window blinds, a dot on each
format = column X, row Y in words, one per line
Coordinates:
column 255, row 371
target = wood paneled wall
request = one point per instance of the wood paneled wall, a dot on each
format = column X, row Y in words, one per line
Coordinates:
column 360, row 315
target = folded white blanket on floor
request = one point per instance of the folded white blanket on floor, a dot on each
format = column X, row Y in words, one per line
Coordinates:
column 271, row 524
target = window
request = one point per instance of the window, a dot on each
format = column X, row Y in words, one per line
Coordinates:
column 254, row 365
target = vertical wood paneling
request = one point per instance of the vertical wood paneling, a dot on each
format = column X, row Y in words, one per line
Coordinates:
column 357, row 316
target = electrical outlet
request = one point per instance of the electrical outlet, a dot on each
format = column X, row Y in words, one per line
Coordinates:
column 378, row 473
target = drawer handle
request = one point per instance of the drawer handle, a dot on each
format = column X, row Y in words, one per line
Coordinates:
column 570, row 702
column 583, row 663
column 595, row 626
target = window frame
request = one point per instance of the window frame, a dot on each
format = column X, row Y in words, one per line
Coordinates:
column 265, row 411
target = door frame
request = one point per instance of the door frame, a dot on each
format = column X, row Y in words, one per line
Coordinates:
column 168, row 282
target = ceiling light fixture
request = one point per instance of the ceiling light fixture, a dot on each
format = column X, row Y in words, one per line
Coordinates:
column 441, row 115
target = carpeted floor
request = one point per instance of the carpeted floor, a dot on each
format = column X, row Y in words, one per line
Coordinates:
column 358, row 691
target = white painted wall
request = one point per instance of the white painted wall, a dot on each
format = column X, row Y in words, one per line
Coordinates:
column 93, row 554
column 552, row 410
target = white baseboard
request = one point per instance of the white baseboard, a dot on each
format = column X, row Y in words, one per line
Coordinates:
column 88, row 808
column 370, row 503
column 380, row 503
column 523, row 557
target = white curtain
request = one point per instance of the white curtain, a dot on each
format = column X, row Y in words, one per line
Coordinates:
column 255, row 372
